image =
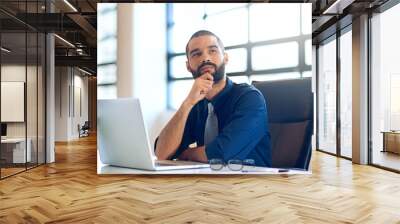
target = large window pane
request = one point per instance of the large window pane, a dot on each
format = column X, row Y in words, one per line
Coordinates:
column 107, row 51
column 230, row 26
column 182, row 10
column 385, row 88
column 308, row 52
column 106, row 92
column 346, row 94
column 107, row 24
column 306, row 18
column 106, row 74
column 307, row 74
column 237, row 60
column 394, row 101
column 213, row 8
column 327, row 97
column 183, row 27
column 240, row 79
column 232, row 23
column 105, row 7
column 275, row 56
column 274, row 21
column 182, row 31
column 178, row 67
column 277, row 76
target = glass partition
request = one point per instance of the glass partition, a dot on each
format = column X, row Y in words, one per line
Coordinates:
column 13, row 105
column 22, row 67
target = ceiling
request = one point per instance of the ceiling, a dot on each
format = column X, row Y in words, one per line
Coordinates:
column 76, row 22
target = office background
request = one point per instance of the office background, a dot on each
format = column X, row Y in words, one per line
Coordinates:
column 44, row 97
column 152, row 51
column 24, row 49
column 340, row 190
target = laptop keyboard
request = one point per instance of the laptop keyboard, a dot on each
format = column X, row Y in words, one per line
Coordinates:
column 165, row 164
column 175, row 163
column 168, row 163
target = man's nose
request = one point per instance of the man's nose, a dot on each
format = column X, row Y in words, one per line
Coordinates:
column 205, row 60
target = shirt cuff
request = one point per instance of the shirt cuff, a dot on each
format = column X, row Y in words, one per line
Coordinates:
column 212, row 151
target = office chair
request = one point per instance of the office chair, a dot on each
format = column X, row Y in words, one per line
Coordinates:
column 84, row 130
column 290, row 114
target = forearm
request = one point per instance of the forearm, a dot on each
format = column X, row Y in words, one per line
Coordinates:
column 171, row 136
column 197, row 154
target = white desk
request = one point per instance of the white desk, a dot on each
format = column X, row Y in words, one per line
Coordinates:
column 107, row 169
column 19, row 149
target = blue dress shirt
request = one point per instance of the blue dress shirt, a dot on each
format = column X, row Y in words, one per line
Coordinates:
column 243, row 128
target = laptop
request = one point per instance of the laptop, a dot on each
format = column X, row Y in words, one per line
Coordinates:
column 122, row 138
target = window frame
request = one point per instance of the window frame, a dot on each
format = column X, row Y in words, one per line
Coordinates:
column 248, row 46
column 112, row 36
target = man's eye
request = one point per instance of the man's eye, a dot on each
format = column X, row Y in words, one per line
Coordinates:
column 213, row 51
column 195, row 54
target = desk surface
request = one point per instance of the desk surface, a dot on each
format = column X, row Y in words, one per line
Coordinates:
column 254, row 170
column 107, row 169
column 13, row 140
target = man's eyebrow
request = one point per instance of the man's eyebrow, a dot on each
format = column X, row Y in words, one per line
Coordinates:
column 197, row 49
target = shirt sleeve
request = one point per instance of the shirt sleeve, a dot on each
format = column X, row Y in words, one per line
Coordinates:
column 187, row 137
column 246, row 127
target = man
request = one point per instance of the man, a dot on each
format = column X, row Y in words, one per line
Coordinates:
column 218, row 119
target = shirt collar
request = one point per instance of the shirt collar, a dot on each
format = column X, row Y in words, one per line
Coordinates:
column 219, row 99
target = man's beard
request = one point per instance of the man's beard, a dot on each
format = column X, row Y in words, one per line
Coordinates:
column 218, row 74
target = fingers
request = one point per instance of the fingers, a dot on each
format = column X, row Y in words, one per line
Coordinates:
column 207, row 76
column 205, row 86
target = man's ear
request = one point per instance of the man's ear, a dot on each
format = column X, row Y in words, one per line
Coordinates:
column 226, row 58
column 188, row 66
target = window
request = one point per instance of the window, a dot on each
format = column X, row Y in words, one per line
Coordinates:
column 265, row 18
column 107, row 51
column 275, row 56
column 327, row 97
column 346, row 94
column 255, row 53
column 385, row 88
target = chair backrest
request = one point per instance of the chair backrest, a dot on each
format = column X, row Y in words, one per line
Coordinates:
column 86, row 125
column 290, row 116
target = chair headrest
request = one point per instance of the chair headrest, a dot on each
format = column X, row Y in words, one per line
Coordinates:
column 287, row 100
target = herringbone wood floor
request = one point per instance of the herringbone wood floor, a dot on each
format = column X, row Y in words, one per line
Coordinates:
column 70, row 191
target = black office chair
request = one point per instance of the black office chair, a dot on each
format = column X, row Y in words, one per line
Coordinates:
column 290, row 111
column 84, row 130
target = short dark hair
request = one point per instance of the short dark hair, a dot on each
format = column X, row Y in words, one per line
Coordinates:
column 203, row 33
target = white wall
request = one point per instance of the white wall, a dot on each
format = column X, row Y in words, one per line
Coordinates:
column 150, row 68
column 70, row 83
column 145, row 78
column 17, row 73
column 34, row 124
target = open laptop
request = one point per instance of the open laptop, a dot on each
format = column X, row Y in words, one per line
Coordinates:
column 122, row 138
